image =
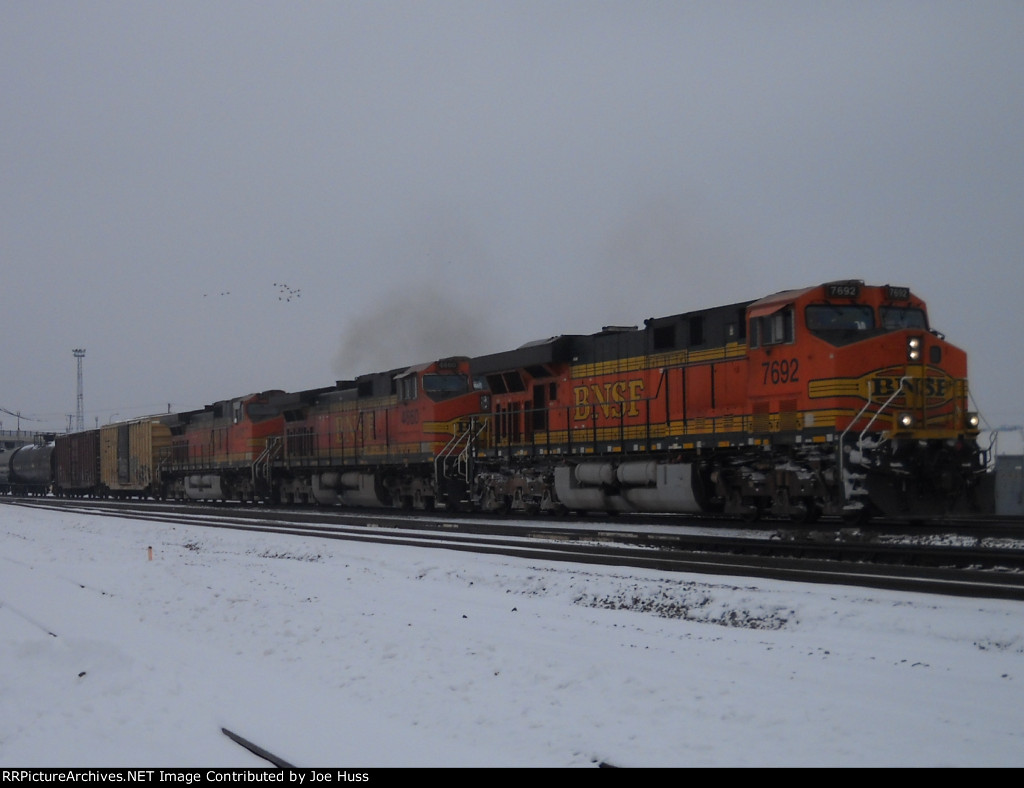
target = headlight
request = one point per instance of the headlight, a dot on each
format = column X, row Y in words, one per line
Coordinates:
column 905, row 420
column 914, row 349
column 973, row 421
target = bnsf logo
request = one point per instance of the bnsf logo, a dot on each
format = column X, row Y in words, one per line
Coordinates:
column 932, row 388
column 613, row 399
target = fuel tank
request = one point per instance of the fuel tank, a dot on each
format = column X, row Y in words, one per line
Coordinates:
column 630, row 487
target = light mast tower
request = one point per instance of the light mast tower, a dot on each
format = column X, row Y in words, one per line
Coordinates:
column 79, row 353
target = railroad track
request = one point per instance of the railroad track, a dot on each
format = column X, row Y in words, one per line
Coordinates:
column 839, row 556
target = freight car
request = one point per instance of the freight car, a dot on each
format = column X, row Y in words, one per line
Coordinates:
column 7, row 447
column 76, row 464
column 838, row 399
column 131, row 453
column 121, row 460
column 26, row 468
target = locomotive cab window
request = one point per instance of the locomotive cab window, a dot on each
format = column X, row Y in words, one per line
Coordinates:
column 407, row 388
column 839, row 323
column 773, row 329
column 261, row 411
column 442, row 387
column 897, row 317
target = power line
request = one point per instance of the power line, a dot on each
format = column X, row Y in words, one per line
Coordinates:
column 19, row 416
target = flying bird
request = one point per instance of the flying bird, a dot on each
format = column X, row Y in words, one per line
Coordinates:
column 286, row 293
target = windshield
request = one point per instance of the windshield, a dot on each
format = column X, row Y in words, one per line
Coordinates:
column 258, row 410
column 828, row 317
column 439, row 387
column 896, row 317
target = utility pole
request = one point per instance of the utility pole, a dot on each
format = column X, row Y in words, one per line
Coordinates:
column 79, row 354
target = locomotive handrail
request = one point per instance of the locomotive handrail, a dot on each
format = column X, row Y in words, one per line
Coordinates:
column 899, row 388
column 272, row 448
column 860, row 438
column 447, row 449
column 467, row 437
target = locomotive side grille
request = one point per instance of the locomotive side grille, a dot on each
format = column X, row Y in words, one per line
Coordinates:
column 762, row 418
column 789, row 418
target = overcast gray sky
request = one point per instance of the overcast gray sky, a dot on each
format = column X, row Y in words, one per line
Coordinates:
column 221, row 197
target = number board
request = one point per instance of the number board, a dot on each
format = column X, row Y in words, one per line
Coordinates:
column 842, row 290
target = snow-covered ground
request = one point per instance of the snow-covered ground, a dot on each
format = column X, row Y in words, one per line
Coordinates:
column 339, row 654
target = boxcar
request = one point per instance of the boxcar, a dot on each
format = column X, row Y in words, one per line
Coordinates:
column 76, row 464
column 131, row 453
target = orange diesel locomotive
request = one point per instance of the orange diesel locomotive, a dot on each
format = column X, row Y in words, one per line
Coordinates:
column 383, row 439
column 224, row 451
column 396, row 438
column 837, row 399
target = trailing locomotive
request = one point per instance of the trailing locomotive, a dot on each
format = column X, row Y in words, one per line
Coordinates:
column 837, row 399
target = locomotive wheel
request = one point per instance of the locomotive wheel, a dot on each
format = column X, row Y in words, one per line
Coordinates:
column 805, row 512
column 751, row 514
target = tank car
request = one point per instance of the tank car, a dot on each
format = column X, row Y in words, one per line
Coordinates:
column 27, row 469
column 7, row 448
column 836, row 399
